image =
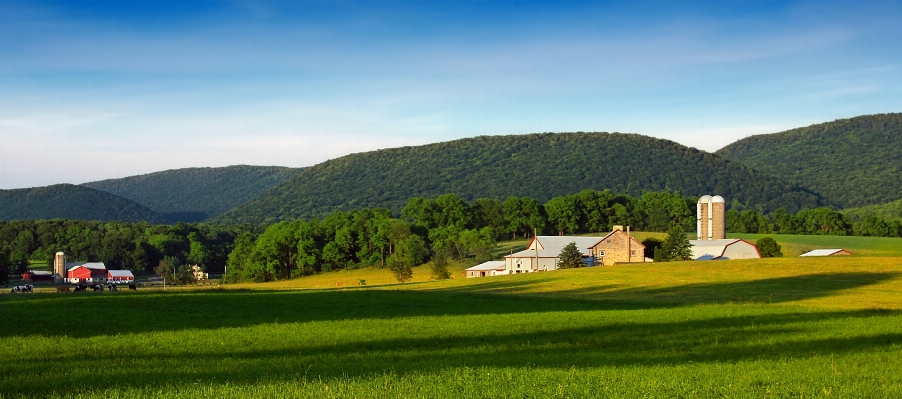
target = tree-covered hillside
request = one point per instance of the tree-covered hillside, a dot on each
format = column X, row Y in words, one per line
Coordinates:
column 539, row 166
column 888, row 211
column 67, row 201
column 195, row 194
column 853, row 162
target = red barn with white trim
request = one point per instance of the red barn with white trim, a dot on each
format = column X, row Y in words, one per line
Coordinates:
column 120, row 276
column 87, row 273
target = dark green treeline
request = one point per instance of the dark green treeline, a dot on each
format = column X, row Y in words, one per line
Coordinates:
column 120, row 245
column 442, row 227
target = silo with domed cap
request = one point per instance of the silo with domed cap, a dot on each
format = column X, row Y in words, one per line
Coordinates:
column 710, row 218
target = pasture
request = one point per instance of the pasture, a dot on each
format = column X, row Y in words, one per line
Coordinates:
column 773, row 328
column 795, row 245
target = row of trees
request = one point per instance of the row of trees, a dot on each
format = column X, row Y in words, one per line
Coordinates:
column 440, row 229
column 817, row 221
column 342, row 240
column 134, row 246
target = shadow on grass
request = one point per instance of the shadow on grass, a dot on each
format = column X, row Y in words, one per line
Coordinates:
column 651, row 343
column 125, row 312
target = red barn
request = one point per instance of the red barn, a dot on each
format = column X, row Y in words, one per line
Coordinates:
column 87, row 273
column 33, row 275
column 120, row 276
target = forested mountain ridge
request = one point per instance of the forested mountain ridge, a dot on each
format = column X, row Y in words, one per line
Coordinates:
column 888, row 211
column 195, row 194
column 68, row 201
column 853, row 162
column 539, row 166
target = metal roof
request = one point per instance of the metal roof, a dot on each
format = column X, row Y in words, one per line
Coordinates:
column 89, row 265
column 823, row 252
column 551, row 246
column 490, row 265
column 120, row 273
column 710, row 249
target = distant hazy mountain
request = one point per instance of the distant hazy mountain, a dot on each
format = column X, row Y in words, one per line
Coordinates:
column 536, row 165
column 195, row 194
column 68, row 201
column 852, row 162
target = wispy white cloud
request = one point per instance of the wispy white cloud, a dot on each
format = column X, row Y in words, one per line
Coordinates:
column 252, row 85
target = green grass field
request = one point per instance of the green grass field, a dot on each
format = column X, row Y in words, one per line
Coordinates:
column 823, row 327
column 795, row 245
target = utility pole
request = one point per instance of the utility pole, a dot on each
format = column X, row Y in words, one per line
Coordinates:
column 535, row 238
column 629, row 256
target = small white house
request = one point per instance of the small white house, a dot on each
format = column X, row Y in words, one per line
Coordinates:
column 199, row 274
column 730, row 248
column 827, row 252
column 490, row 268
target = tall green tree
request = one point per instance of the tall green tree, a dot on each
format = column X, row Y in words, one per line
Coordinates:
column 676, row 246
column 410, row 252
column 240, row 257
column 439, row 267
column 198, row 253
column 874, row 227
column 824, row 221
column 768, row 248
column 524, row 215
column 570, row 257
column 564, row 214
column 664, row 209
column 490, row 213
column 597, row 210
column 274, row 254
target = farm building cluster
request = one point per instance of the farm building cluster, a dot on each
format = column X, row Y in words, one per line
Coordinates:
column 87, row 272
column 542, row 254
column 618, row 246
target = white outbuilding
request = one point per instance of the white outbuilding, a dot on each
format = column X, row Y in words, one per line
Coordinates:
column 490, row 268
column 729, row 248
column 827, row 252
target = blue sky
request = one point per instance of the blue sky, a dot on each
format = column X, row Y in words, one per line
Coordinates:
column 127, row 87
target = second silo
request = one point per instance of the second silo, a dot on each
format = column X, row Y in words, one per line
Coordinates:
column 710, row 219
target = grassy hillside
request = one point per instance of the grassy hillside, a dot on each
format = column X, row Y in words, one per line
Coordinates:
column 795, row 245
column 888, row 211
column 853, row 162
column 772, row 328
column 540, row 166
column 67, row 201
column 195, row 194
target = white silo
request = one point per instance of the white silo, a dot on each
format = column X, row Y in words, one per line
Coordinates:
column 710, row 219
column 718, row 229
column 59, row 267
